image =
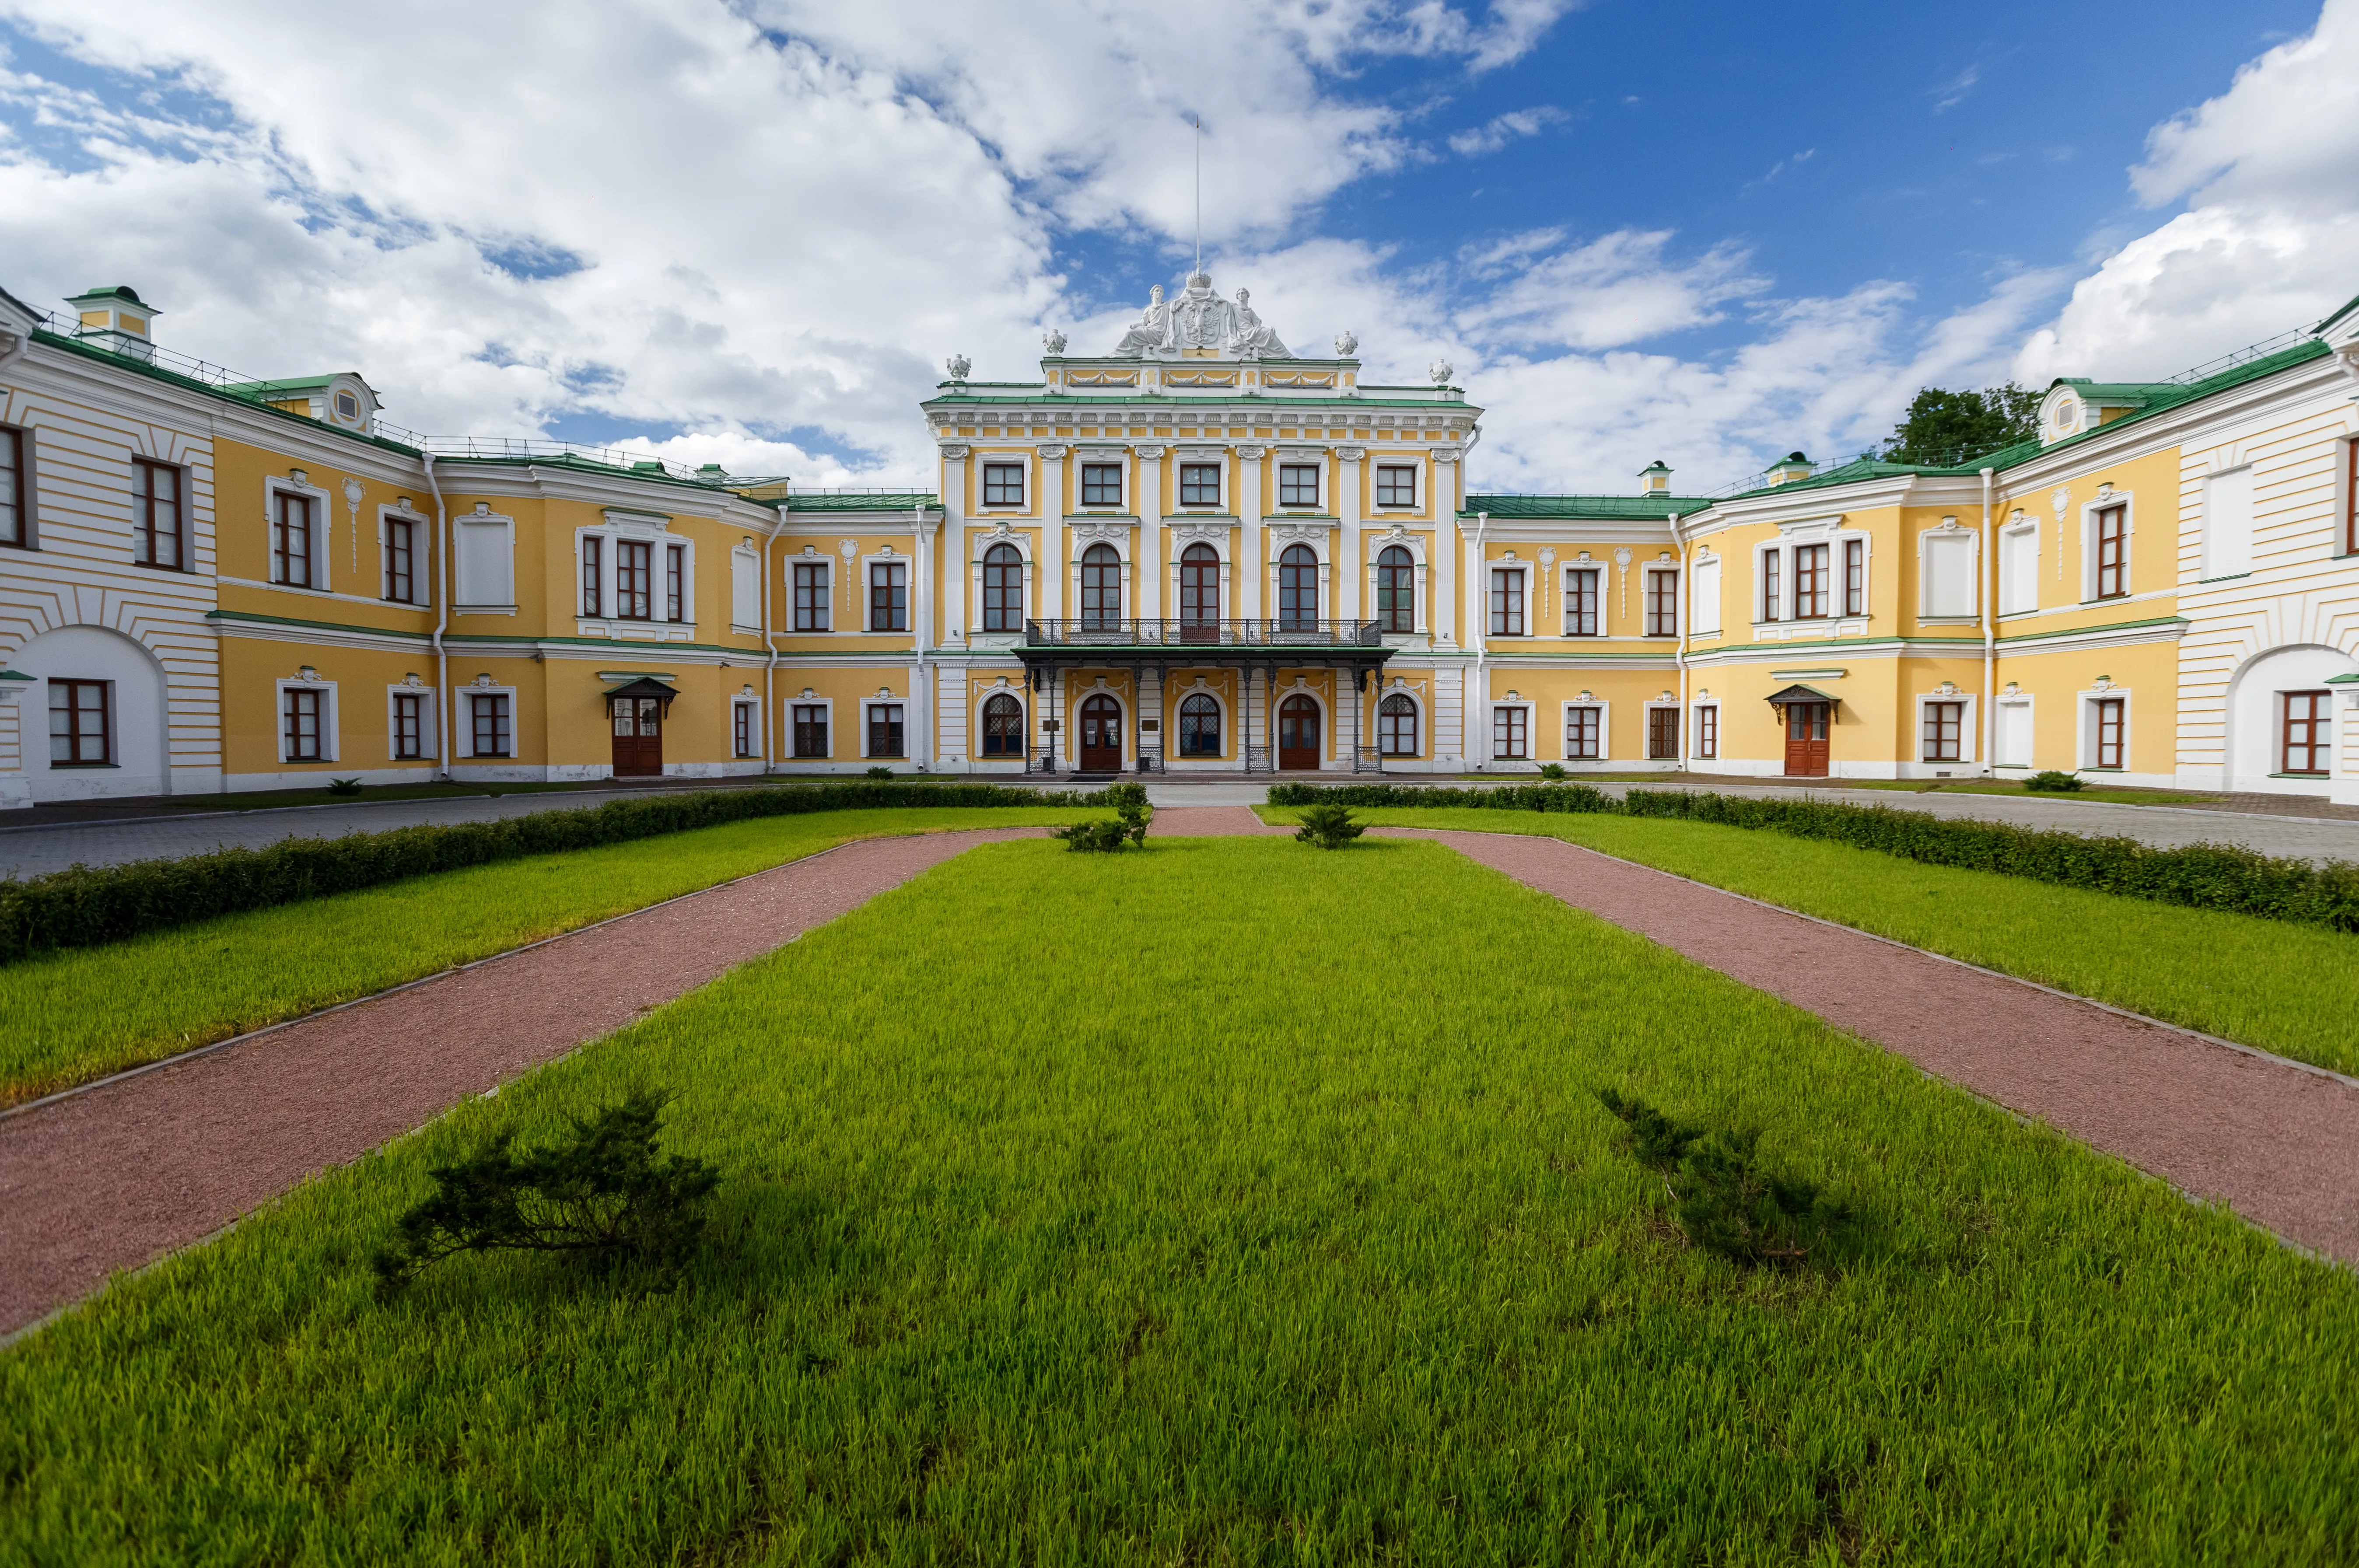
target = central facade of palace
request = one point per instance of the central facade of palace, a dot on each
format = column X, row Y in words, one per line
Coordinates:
column 1198, row 550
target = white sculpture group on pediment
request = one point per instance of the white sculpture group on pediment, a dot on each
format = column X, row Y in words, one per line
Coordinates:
column 1201, row 320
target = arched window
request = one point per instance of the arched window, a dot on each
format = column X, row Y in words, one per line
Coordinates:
column 1200, row 727
column 1298, row 587
column 1101, row 586
column 1002, row 588
column 1395, row 590
column 1003, row 725
column 1200, row 593
column 1397, row 726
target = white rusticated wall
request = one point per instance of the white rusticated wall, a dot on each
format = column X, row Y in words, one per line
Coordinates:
column 2294, row 616
column 83, row 433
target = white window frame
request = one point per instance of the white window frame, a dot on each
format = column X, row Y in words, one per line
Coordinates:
column 484, row 517
column 321, row 530
column 809, row 556
column 1523, row 570
column 906, row 707
column 1376, row 467
column 786, row 726
column 430, row 723
column 1316, row 504
column 2089, row 510
column 1424, row 724
column 1318, row 543
column 466, row 725
column 1835, row 539
column 1706, row 565
column 2207, row 546
column 2085, row 749
column 1565, row 597
column 330, row 726
column 422, row 546
column 982, row 696
column 1999, row 728
column 983, row 463
column 981, row 544
column 1692, row 741
column 1224, row 506
column 639, row 529
column 888, row 556
column 744, row 554
column 1969, row 727
column 1651, row 706
column 1122, row 482
column 1647, row 597
column 1228, row 751
column 1527, row 707
column 2011, row 538
column 1604, row 730
column 1376, row 544
column 736, row 706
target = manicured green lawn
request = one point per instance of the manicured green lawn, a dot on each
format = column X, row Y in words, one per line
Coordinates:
column 2289, row 988
column 80, row 1014
column 1227, row 1201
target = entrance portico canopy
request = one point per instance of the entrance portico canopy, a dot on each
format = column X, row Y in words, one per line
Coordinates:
column 1051, row 647
column 1799, row 693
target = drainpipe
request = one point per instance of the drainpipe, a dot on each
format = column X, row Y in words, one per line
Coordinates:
column 1481, row 595
column 1680, row 653
column 442, row 698
column 1989, row 629
column 770, row 640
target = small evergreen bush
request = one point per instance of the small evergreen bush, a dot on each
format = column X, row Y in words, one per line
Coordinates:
column 1552, row 772
column 344, row 786
column 602, row 1195
column 1132, row 814
column 1328, row 826
column 879, row 775
column 2050, row 779
column 1725, row 1201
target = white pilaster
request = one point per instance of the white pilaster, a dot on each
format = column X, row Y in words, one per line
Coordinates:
column 1347, row 510
column 1252, row 546
column 1053, row 542
column 956, row 600
column 1147, row 490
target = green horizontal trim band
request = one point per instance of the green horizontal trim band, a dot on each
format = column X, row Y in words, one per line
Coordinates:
column 2179, row 620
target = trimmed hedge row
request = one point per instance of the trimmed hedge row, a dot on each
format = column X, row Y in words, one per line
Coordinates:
column 2198, row 876
column 83, row 906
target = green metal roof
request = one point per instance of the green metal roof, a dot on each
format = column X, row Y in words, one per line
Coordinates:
column 1604, row 508
column 884, row 500
column 270, row 389
column 2347, row 308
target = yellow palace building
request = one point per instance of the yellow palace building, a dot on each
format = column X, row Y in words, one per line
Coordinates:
column 1199, row 551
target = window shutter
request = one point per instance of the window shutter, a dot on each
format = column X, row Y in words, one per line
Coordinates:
column 2228, row 524
column 744, row 590
column 1704, row 597
column 1950, row 574
column 486, row 561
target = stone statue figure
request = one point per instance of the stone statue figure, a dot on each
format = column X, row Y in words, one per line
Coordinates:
column 1254, row 340
column 1346, row 344
column 1440, row 369
column 1202, row 319
column 1054, row 341
column 1151, row 333
column 958, row 365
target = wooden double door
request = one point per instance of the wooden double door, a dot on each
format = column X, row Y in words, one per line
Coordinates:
column 1806, row 739
column 638, row 737
column 1297, row 735
column 1101, row 739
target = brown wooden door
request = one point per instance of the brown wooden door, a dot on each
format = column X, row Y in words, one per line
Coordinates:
column 638, row 737
column 1100, row 751
column 1806, row 740
column 1297, row 734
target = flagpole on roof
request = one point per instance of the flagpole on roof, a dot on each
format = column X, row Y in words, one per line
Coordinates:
column 1199, row 192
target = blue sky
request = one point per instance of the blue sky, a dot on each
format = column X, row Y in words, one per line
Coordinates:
column 749, row 232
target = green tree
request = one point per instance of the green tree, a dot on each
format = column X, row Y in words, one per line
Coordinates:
column 1952, row 429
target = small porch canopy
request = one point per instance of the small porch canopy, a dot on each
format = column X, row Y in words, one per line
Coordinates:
column 634, row 685
column 1800, row 693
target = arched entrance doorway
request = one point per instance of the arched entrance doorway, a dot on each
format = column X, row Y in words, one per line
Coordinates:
column 1297, row 734
column 1101, row 748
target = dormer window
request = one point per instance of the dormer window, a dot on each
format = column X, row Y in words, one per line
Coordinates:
column 347, row 406
column 2068, row 413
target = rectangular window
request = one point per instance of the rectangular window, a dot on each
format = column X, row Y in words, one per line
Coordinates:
column 810, row 729
column 1662, row 604
column 1003, row 485
column 1395, row 486
column 81, row 732
column 1580, row 734
column 1944, row 725
column 2113, row 552
column 16, row 493
column 634, row 597
column 2019, row 570
column 2111, row 710
column 2349, row 499
column 1581, row 602
column 594, row 571
column 1507, row 601
column 884, row 729
column 1770, row 600
column 1298, row 484
column 889, row 597
column 1854, row 590
column 1810, row 583
column 676, row 582
column 2228, row 524
column 1662, row 734
column 1101, row 484
column 301, row 720
column 490, row 715
column 408, row 727
column 401, row 562
column 810, row 596
column 290, row 539
column 2308, row 733
column 1708, row 733
column 1508, row 743
column 741, row 728
column 155, row 531
column 1199, row 484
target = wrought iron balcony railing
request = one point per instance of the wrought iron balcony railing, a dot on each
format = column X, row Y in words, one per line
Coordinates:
column 1184, row 633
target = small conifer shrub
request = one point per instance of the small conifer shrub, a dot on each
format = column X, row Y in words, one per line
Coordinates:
column 2050, row 779
column 1132, row 814
column 600, row 1194
column 344, row 786
column 1725, row 1201
column 1552, row 771
column 879, row 775
column 1328, row 826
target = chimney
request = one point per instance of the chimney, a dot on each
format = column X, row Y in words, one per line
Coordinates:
column 1794, row 466
column 1656, row 478
column 115, row 320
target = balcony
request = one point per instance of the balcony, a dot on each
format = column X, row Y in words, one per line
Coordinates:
column 1247, row 635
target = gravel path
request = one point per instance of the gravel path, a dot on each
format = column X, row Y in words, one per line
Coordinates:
column 2276, row 1142
column 116, row 1175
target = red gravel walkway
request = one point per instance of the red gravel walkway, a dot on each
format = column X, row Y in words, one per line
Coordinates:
column 115, row 1176
column 2276, row 1142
